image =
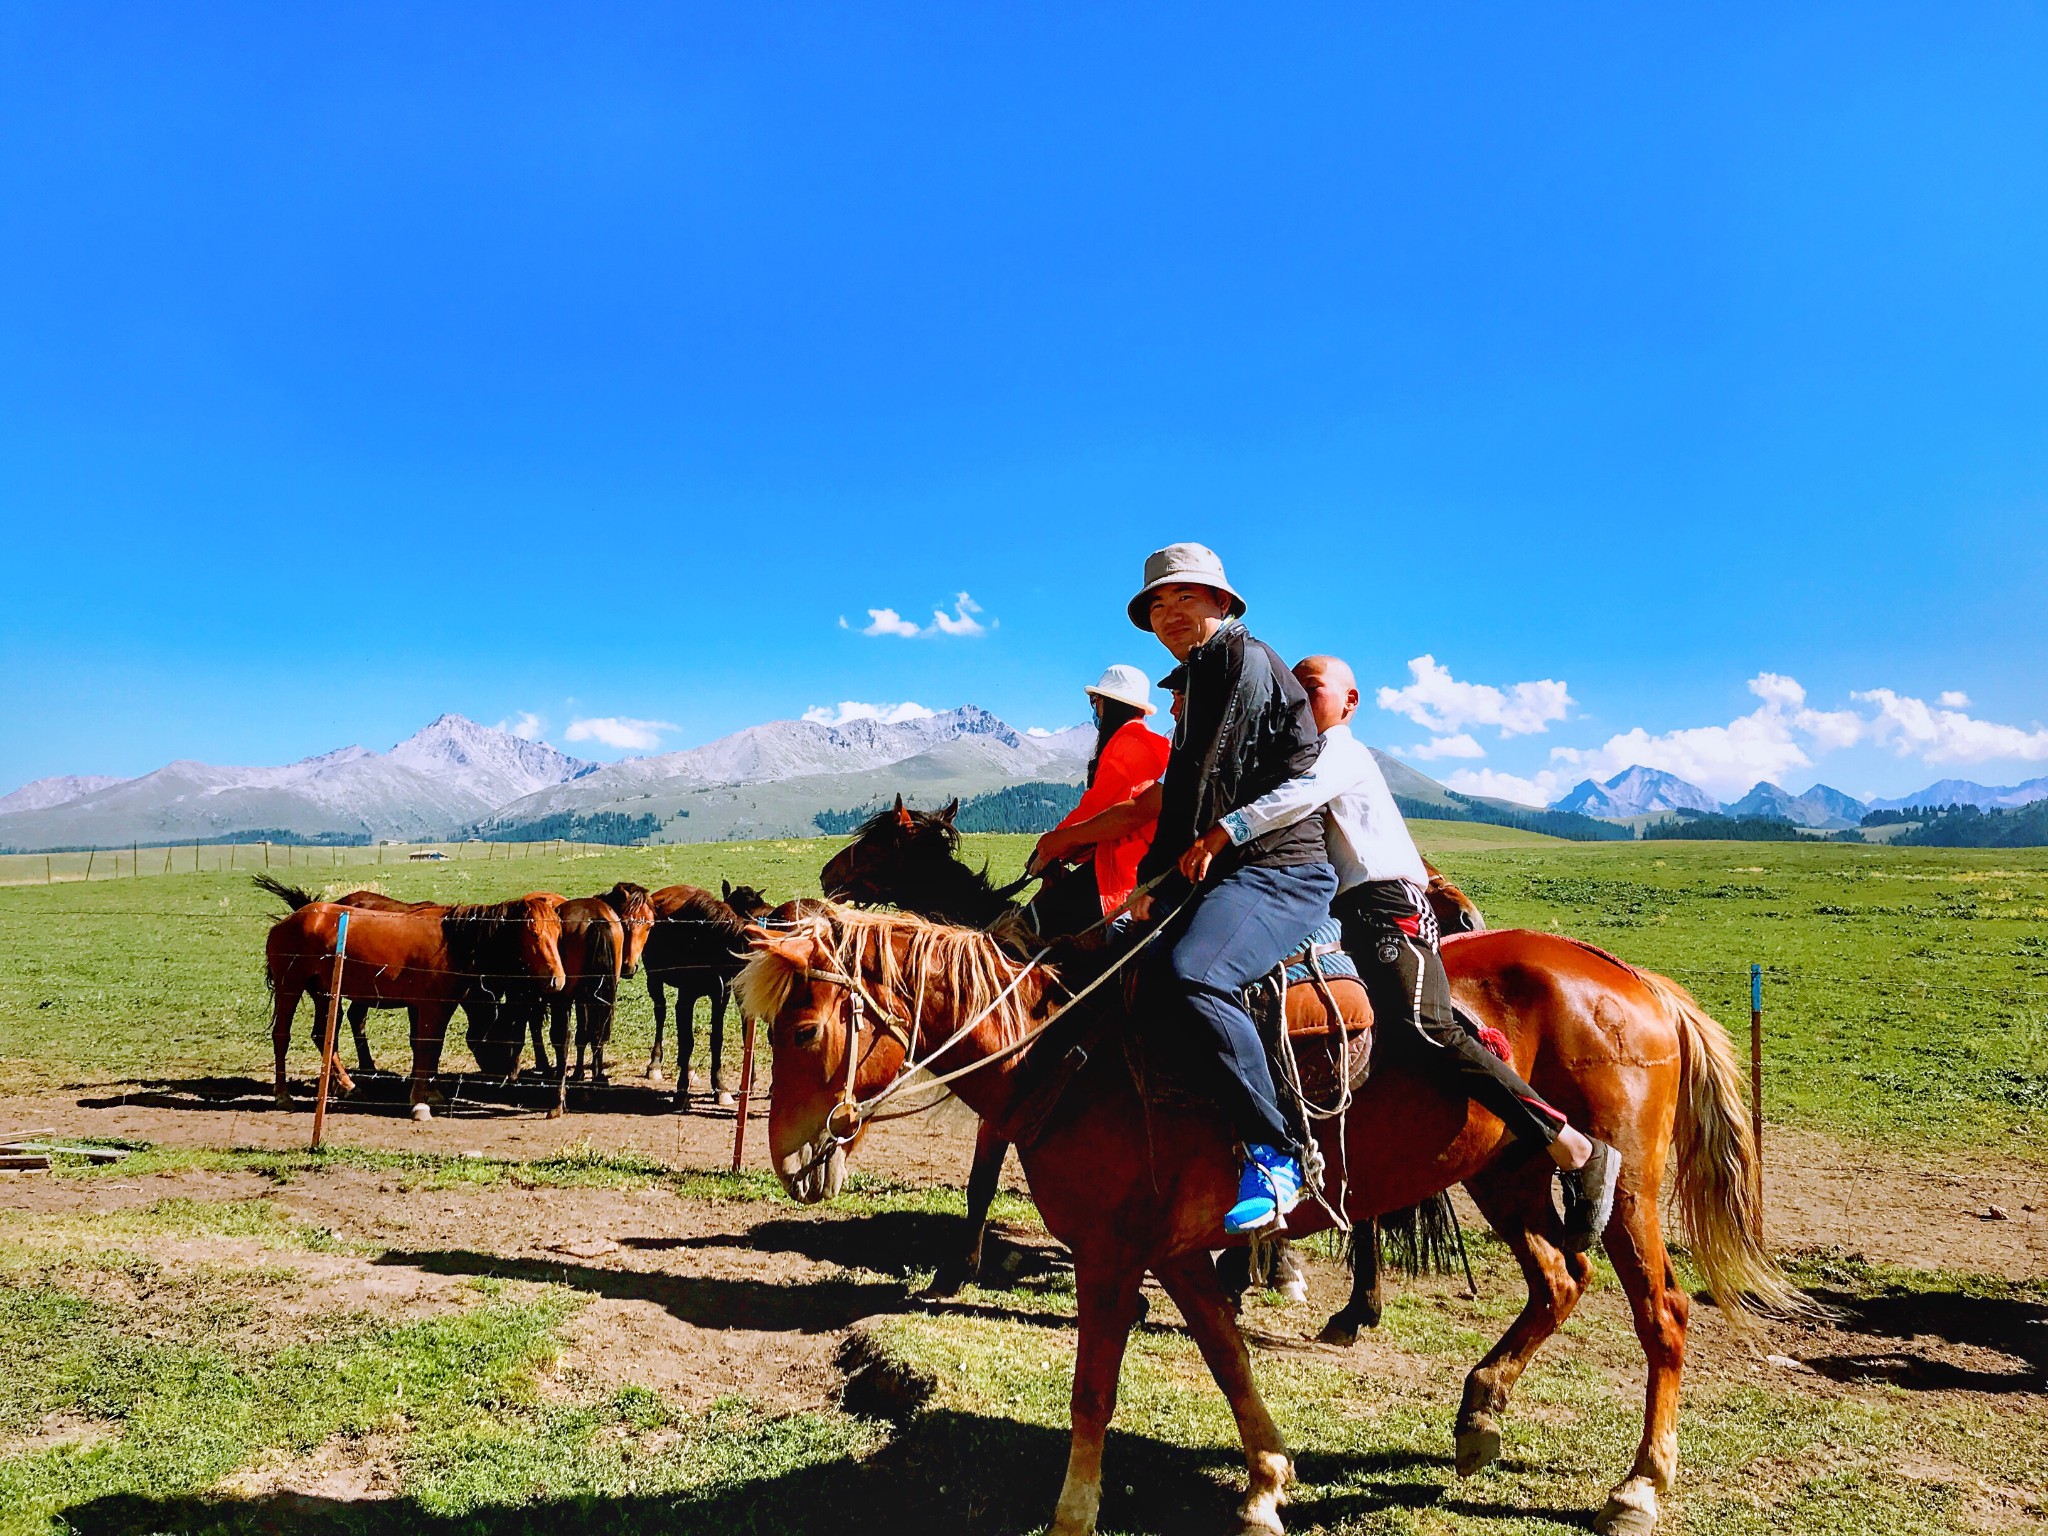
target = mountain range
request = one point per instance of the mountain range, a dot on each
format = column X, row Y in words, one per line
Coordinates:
column 456, row 778
column 1642, row 791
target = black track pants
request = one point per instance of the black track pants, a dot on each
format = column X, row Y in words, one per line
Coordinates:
column 1411, row 1000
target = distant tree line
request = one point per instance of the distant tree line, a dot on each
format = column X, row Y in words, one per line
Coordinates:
column 1970, row 826
column 1565, row 824
column 1713, row 827
column 597, row 827
column 1034, row 807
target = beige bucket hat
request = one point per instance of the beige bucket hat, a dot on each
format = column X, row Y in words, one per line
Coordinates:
column 1127, row 685
column 1193, row 563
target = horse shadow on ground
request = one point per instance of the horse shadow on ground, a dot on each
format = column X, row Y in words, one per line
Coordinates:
column 388, row 1094
column 1999, row 1344
column 899, row 1243
column 943, row 1470
column 703, row 1301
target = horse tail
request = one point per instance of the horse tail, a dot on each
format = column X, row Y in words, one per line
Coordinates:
column 1719, row 1176
column 291, row 895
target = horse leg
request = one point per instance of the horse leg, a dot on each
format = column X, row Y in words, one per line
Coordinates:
column 283, row 1004
column 588, row 1013
column 358, row 1018
column 965, row 1264
column 1107, row 1297
column 537, row 1019
column 1517, row 1203
column 1635, row 1246
column 1367, row 1304
column 653, row 1072
column 429, row 1032
column 719, row 1096
column 341, row 1078
column 557, row 1010
column 562, row 1059
column 1192, row 1282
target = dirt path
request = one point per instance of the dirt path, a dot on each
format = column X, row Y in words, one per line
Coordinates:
column 1820, row 1193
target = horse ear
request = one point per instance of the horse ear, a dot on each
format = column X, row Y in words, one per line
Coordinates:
column 725, row 887
column 903, row 817
column 950, row 811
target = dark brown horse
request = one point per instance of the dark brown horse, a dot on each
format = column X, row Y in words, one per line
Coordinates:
column 427, row 962
column 593, row 953
column 1133, row 1182
column 910, row 859
column 697, row 945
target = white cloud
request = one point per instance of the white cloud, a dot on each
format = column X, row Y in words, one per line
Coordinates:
column 527, row 726
column 853, row 709
column 1727, row 759
column 1438, row 702
column 1914, row 728
column 1954, row 699
column 887, row 621
column 1538, row 791
column 620, row 731
column 961, row 621
column 1460, row 745
column 1036, row 730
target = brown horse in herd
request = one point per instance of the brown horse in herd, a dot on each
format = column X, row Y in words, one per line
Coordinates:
column 697, row 945
column 427, row 961
column 1133, row 1180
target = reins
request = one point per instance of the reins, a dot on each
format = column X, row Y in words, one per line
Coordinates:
column 846, row 1118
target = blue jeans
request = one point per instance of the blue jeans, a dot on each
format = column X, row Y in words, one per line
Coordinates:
column 1243, row 926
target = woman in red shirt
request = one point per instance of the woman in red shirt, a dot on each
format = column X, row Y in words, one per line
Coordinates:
column 1128, row 759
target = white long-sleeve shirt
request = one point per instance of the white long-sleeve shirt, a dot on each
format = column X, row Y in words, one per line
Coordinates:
column 1367, row 837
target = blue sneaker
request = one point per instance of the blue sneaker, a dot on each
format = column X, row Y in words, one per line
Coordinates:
column 1267, row 1190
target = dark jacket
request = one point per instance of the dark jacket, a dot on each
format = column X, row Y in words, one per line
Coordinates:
column 1245, row 728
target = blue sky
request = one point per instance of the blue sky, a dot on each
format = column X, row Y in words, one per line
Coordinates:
column 593, row 364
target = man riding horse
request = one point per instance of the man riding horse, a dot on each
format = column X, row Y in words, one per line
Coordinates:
column 1276, row 808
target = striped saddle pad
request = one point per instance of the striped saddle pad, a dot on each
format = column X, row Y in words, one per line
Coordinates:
column 1322, row 950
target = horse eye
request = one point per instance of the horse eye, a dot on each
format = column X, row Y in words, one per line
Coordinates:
column 805, row 1034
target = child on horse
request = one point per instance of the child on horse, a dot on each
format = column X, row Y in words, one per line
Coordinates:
column 1391, row 934
column 1245, row 729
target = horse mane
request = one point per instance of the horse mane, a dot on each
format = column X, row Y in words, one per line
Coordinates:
column 963, row 968
column 624, row 894
column 702, row 906
column 480, row 938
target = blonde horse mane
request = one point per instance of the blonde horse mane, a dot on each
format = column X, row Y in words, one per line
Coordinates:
column 916, row 966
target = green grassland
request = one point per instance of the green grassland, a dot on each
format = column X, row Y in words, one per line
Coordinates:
column 1905, row 990
column 149, row 1395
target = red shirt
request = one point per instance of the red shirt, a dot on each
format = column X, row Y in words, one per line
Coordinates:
column 1132, row 759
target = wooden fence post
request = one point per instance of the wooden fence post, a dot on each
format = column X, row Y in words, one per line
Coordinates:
column 135, row 860
column 90, row 855
column 48, row 878
column 327, row 1034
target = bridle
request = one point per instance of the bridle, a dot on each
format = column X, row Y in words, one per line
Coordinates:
column 851, row 1114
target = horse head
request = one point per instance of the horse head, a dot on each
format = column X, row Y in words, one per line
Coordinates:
column 894, row 856
column 636, row 911
column 812, row 1027
column 746, row 902
column 540, row 938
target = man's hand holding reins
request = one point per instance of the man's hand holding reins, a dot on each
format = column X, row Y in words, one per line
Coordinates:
column 1194, row 864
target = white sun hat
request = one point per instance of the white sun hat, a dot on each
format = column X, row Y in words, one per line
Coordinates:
column 1195, row 564
column 1127, row 685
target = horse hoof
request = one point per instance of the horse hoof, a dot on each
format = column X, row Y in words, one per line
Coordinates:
column 1631, row 1510
column 654, row 1075
column 1478, row 1449
column 1338, row 1331
column 423, row 1111
column 726, row 1100
column 282, row 1099
column 946, row 1282
column 1292, row 1290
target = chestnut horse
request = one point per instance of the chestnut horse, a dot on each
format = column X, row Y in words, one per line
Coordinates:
column 1132, row 1181
column 697, row 945
column 593, row 953
column 426, row 961
column 910, row 859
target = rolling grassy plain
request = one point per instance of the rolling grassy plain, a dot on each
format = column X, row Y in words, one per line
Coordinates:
column 1905, row 990
column 196, row 1341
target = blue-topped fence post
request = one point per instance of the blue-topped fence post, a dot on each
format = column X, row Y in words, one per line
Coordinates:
column 1756, row 1066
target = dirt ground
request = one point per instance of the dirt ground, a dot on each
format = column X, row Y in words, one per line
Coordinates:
column 1969, row 1213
